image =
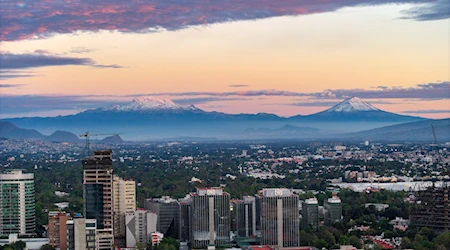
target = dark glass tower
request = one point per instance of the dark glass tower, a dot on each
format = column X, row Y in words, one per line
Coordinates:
column 168, row 211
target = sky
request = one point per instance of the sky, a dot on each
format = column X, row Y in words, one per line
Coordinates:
column 285, row 57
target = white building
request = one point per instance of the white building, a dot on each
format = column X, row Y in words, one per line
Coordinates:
column 82, row 234
column 140, row 224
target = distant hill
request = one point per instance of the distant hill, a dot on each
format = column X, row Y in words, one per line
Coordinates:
column 114, row 139
column 11, row 131
column 63, row 136
column 413, row 131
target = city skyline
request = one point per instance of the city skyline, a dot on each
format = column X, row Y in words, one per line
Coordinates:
column 286, row 58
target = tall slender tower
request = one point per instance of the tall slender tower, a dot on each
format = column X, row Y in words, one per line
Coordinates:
column 279, row 217
column 124, row 193
column 244, row 216
column 17, row 212
column 98, row 195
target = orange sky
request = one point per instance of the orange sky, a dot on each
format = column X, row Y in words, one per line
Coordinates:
column 352, row 48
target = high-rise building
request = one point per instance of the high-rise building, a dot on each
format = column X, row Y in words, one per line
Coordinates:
column 139, row 227
column 57, row 230
column 98, row 195
column 168, row 211
column 244, row 216
column 310, row 214
column 431, row 207
column 82, row 234
column 17, row 201
column 279, row 217
column 185, row 216
column 124, row 201
column 210, row 218
column 333, row 210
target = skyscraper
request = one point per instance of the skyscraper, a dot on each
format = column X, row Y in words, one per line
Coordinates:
column 168, row 211
column 210, row 218
column 185, row 215
column 57, row 230
column 17, row 201
column 279, row 217
column 333, row 210
column 98, row 195
column 310, row 214
column 124, row 201
column 244, row 216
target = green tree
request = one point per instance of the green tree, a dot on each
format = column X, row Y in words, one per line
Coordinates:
column 406, row 243
column 355, row 241
column 47, row 247
column 443, row 240
column 140, row 246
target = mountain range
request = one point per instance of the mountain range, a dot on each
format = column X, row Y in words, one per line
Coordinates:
column 153, row 118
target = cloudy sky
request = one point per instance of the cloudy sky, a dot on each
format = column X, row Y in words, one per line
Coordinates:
column 285, row 57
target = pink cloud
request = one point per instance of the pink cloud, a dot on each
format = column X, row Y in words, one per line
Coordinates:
column 40, row 19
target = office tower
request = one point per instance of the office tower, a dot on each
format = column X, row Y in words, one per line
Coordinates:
column 57, row 230
column 310, row 214
column 17, row 201
column 168, row 211
column 279, row 217
column 333, row 210
column 244, row 216
column 98, row 195
column 81, row 234
column 139, row 227
column 185, row 216
column 124, row 201
column 210, row 218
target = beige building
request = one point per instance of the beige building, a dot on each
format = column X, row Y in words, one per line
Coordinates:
column 124, row 201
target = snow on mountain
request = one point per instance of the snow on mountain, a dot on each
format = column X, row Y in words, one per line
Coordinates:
column 151, row 103
column 353, row 104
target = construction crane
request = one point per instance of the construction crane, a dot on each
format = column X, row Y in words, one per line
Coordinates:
column 434, row 135
column 438, row 155
column 87, row 135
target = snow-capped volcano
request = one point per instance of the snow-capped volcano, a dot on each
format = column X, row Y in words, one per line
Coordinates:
column 146, row 103
column 353, row 104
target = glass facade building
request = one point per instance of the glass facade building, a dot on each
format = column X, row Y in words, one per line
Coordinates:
column 17, row 203
column 333, row 210
column 310, row 214
column 279, row 218
column 168, row 211
column 210, row 218
column 244, row 217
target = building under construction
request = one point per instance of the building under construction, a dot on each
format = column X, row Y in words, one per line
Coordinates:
column 432, row 208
